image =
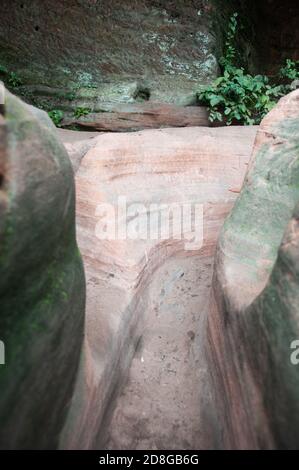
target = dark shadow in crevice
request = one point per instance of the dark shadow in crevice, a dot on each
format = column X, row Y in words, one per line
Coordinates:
column 142, row 94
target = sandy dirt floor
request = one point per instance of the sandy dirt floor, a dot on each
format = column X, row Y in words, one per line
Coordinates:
column 161, row 404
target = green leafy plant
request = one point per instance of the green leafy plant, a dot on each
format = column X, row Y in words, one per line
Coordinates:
column 14, row 80
column 81, row 111
column 291, row 70
column 11, row 78
column 230, row 52
column 57, row 116
column 236, row 96
column 240, row 97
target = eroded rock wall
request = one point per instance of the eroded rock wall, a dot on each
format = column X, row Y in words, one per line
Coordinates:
column 255, row 305
column 121, row 50
column 277, row 33
column 73, row 53
column 42, row 286
column 267, row 34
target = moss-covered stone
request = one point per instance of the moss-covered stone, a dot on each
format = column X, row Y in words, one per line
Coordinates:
column 42, row 289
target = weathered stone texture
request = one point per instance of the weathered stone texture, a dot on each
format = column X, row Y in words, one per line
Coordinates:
column 164, row 48
column 134, row 117
column 42, row 288
column 184, row 166
column 255, row 303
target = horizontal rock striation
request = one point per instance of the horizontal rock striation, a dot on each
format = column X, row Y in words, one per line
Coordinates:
column 135, row 117
column 183, row 166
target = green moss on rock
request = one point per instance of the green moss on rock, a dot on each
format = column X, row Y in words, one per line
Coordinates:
column 42, row 288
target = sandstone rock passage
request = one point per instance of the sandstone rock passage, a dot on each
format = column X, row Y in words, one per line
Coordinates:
column 149, row 229
column 163, row 365
column 191, row 165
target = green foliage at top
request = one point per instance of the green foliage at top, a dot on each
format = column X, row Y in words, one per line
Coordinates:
column 230, row 54
column 81, row 111
column 14, row 80
column 291, row 70
column 57, row 116
column 238, row 97
column 11, row 78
